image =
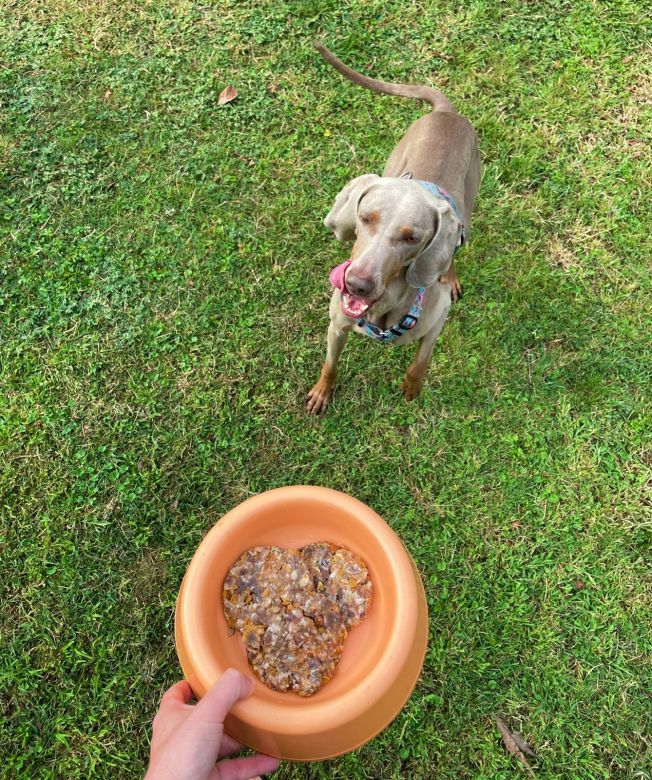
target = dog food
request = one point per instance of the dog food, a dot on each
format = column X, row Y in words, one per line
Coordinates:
column 294, row 608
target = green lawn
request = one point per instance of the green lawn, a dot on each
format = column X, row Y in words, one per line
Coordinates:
column 163, row 309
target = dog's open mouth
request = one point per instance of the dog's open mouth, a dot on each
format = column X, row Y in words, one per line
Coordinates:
column 353, row 305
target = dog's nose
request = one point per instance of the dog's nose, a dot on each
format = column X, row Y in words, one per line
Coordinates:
column 359, row 285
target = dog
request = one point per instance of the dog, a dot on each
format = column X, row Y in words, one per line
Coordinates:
column 398, row 285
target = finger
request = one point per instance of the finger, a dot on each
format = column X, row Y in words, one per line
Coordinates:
column 179, row 693
column 215, row 705
column 246, row 768
column 229, row 746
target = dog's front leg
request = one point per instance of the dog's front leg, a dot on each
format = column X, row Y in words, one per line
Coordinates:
column 321, row 392
column 416, row 373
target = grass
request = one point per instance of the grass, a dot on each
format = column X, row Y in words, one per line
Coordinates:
column 163, row 305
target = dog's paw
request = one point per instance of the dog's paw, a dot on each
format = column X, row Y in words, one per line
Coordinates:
column 454, row 283
column 411, row 387
column 456, row 290
column 318, row 397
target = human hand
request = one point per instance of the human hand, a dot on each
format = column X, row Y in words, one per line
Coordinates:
column 188, row 740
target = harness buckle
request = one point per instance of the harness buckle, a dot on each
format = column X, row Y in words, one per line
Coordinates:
column 408, row 322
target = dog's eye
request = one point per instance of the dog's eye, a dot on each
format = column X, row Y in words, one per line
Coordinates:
column 411, row 239
column 364, row 219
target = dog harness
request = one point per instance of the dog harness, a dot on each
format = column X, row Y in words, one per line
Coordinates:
column 406, row 323
column 409, row 321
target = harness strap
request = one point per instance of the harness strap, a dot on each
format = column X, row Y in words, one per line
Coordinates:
column 396, row 331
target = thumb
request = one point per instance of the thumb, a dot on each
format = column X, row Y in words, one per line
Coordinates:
column 231, row 688
column 202, row 731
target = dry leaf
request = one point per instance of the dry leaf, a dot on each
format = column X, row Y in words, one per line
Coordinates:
column 512, row 745
column 520, row 741
column 227, row 95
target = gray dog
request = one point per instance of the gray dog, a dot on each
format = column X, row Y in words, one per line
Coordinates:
column 407, row 224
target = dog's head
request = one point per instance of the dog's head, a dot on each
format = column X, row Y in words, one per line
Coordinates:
column 398, row 226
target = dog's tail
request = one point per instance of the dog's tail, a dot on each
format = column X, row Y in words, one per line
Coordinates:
column 437, row 99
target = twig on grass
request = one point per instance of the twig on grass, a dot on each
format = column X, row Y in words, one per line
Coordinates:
column 514, row 745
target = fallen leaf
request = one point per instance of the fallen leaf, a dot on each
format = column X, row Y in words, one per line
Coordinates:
column 227, row 95
column 520, row 741
column 512, row 745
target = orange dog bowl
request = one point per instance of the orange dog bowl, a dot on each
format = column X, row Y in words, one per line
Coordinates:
column 382, row 657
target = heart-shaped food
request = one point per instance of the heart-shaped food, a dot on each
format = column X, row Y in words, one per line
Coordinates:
column 294, row 608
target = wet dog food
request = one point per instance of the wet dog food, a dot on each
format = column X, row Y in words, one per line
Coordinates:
column 294, row 608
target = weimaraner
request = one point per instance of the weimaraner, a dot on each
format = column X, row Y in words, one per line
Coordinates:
column 407, row 225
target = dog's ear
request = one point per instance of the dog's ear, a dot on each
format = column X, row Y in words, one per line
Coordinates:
column 435, row 258
column 341, row 218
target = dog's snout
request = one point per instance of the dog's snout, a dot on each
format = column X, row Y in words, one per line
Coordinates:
column 359, row 285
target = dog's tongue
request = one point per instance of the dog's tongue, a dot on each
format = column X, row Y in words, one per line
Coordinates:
column 352, row 305
column 337, row 276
